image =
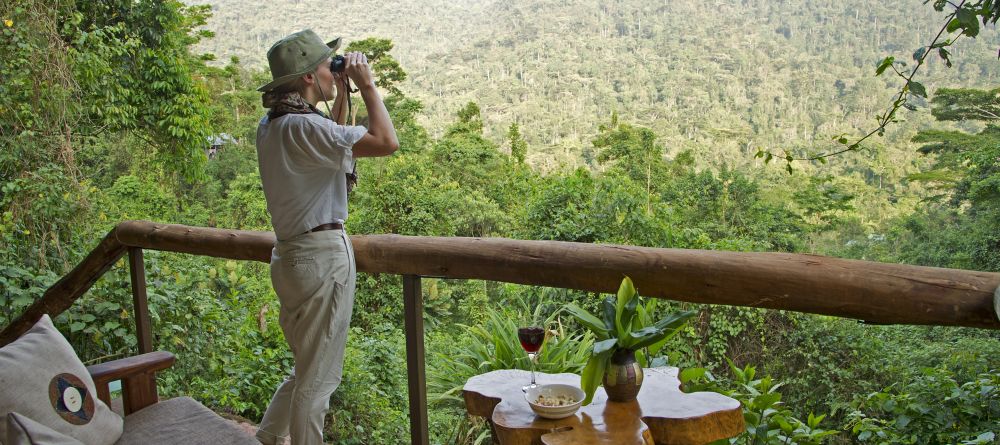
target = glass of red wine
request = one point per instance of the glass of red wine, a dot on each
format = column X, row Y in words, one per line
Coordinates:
column 531, row 338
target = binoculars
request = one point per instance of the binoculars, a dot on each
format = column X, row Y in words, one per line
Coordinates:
column 337, row 64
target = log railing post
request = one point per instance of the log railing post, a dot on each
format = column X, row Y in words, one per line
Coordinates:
column 413, row 315
column 143, row 330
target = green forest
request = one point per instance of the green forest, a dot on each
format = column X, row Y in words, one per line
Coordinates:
column 624, row 122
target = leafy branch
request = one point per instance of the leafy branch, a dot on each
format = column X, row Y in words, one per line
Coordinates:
column 964, row 18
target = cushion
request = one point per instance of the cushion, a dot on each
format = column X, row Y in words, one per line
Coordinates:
column 24, row 431
column 41, row 378
column 181, row 420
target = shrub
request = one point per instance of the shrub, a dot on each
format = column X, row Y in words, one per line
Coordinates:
column 768, row 420
column 934, row 408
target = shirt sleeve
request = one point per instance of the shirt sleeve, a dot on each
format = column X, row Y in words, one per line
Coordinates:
column 325, row 143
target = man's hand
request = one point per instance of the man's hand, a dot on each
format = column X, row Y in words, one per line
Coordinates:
column 357, row 69
column 339, row 79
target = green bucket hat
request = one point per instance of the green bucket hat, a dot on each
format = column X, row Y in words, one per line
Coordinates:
column 296, row 55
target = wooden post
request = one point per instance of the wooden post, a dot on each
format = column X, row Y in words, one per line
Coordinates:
column 140, row 391
column 413, row 315
column 143, row 330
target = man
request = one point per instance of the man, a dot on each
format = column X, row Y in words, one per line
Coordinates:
column 304, row 159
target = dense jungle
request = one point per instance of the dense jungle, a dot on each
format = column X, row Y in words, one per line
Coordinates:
column 662, row 124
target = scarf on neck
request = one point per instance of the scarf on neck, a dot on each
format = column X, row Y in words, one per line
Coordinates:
column 291, row 102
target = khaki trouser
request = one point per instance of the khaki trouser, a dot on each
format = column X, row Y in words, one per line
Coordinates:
column 314, row 277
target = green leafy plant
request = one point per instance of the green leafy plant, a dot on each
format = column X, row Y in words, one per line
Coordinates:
column 624, row 324
column 936, row 407
column 768, row 421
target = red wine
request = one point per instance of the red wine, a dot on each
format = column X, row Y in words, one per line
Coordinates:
column 531, row 338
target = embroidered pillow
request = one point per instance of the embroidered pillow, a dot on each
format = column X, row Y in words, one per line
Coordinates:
column 41, row 378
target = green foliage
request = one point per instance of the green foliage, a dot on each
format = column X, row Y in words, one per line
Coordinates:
column 403, row 111
column 245, row 203
column 222, row 328
column 104, row 112
column 966, row 104
column 824, row 201
column 518, row 147
column 470, row 121
column 43, row 206
column 20, row 285
column 810, row 353
column 631, row 148
column 794, row 78
column 972, row 157
column 388, row 73
column 560, row 209
column 494, row 345
column 934, row 408
column 768, row 420
column 410, row 197
column 90, row 79
column 368, row 406
column 967, row 170
column 826, row 362
column 153, row 75
column 138, row 199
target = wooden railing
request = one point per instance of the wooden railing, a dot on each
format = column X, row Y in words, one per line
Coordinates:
column 874, row 292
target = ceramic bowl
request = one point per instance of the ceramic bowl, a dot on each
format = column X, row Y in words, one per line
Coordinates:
column 552, row 392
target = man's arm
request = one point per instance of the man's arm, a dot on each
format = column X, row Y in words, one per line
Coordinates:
column 340, row 103
column 381, row 137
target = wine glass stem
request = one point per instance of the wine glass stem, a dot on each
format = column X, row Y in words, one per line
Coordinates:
column 531, row 359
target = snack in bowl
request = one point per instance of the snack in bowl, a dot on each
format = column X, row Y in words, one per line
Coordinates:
column 554, row 401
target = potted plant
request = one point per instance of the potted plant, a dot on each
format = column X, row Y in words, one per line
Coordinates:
column 624, row 328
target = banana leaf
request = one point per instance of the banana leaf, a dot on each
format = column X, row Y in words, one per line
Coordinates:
column 608, row 312
column 628, row 315
column 626, row 294
column 663, row 329
column 641, row 318
column 673, row 321
column 604, row 345
column 593, row 374
column 591, row 322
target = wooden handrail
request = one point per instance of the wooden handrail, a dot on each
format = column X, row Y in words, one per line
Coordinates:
column 866, row 290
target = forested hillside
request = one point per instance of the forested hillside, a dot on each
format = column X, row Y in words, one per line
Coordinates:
column 624, row 122
column 732, row 76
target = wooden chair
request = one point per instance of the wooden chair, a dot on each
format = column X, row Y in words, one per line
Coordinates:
column 180, row 420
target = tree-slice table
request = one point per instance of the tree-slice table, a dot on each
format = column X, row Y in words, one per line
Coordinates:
column 661, row 415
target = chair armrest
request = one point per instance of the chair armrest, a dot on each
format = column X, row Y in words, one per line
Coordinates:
column 137, row 374
column 129, row 366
